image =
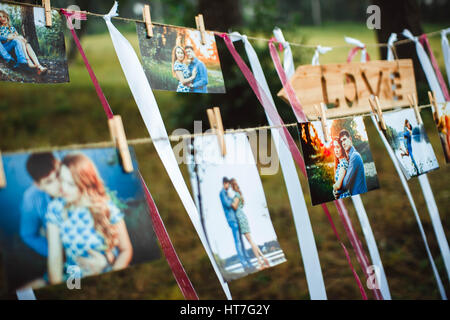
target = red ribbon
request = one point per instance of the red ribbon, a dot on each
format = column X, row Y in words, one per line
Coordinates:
column 275, row 118
column 353, row 53
column 342, row 210
column 174, row 262
column 424, row 40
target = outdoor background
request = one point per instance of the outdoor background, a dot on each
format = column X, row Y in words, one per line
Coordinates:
column 41, row 115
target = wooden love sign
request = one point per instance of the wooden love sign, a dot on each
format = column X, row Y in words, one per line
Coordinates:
column 345, row 88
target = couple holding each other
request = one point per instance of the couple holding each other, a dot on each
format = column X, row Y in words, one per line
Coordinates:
column 407, row 136
column 190, row 72
column 350, row 178
column 11, row 41
column 237, row 220
column 68, row 217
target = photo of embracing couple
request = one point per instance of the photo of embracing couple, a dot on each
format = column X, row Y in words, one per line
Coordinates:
column 233, row 203
column 340, row 166
column 410, row 143
column 190, row 72
column 232, row 207
column 70, row 218
column 175, row 59
column 29, row 51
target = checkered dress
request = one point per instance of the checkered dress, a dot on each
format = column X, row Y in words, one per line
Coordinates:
column 77, row 231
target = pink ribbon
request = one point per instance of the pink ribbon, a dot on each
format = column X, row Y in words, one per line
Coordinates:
column 424, row 40
column 342, row 210
column 174, row 262
column 295, row 103
column 353, row 53
column 286, row 136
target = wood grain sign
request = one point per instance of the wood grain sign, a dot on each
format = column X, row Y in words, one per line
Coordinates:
column 346, row 87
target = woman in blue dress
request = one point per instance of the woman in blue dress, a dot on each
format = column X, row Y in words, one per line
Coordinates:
column 340, row 168
column 84, row 223
column 10, row 33
column 181, row 71
column 244, row 228
column 407, row 136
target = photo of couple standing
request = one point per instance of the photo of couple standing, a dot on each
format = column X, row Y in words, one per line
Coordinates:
column 232, row 206
column 341, row 165
column 29, row 51
column 410, row 143
column 175, row 59
column 68, row 217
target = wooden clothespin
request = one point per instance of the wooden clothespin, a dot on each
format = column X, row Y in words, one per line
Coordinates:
column 323, row 118
column 215, row 121
column 413, row 102
column 147, row 20
column 432, row 98
column 201, row 27
column 48, row 12
column 2, row 173
column 376, row 109
column 120, row 140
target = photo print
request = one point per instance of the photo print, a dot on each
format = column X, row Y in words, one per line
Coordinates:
column 443, row 126
column 71, row 214
column 30, row 51
column 174, row 59
column 410, row 143
column 343, row 165
column 232, row 206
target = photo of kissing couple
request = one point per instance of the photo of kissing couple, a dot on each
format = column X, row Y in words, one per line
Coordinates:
column 62, row 214
column 232, row 207
column 341, row 165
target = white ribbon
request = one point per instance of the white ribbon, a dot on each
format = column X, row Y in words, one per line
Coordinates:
column 319, row 50
column 413, row 205
column 359, row 44
column 390, row 44
column 288, row 60
column 302, row 223
column 423, row 179
column 25, row 294
column 145, row 100
column 446, row 51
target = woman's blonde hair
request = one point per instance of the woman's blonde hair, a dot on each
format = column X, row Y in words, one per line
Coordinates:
column 90, row 184
column 236, row 188
column 174, row 58
column 7, row 18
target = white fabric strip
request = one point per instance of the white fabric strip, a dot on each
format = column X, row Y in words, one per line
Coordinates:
column 390, row 44
column 145, row 100
column 423, row 179
column 288, row 61
column 372, row 245
column 446, row 51
column 435, row 220
column 315, row 59
column 358, row 43
column 25, row 294
column 302, row 223
column 413, row 205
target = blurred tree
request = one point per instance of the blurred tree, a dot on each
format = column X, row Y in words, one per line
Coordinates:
column 29, row 28
column 395, row 17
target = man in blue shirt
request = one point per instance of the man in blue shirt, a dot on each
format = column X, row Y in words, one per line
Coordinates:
column 355, row 177
column 201, row 79
column 233, row 223
column 44, row 170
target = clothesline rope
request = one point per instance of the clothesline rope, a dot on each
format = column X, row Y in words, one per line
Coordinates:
column 174, row 138
column 400, row 42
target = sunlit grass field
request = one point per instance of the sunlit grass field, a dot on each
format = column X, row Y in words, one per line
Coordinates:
column 44, row 115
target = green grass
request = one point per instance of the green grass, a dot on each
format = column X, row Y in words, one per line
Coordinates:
column 39, row 115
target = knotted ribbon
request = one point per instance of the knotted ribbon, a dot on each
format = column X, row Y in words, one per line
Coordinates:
column 359, row 46
column 319, row 50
